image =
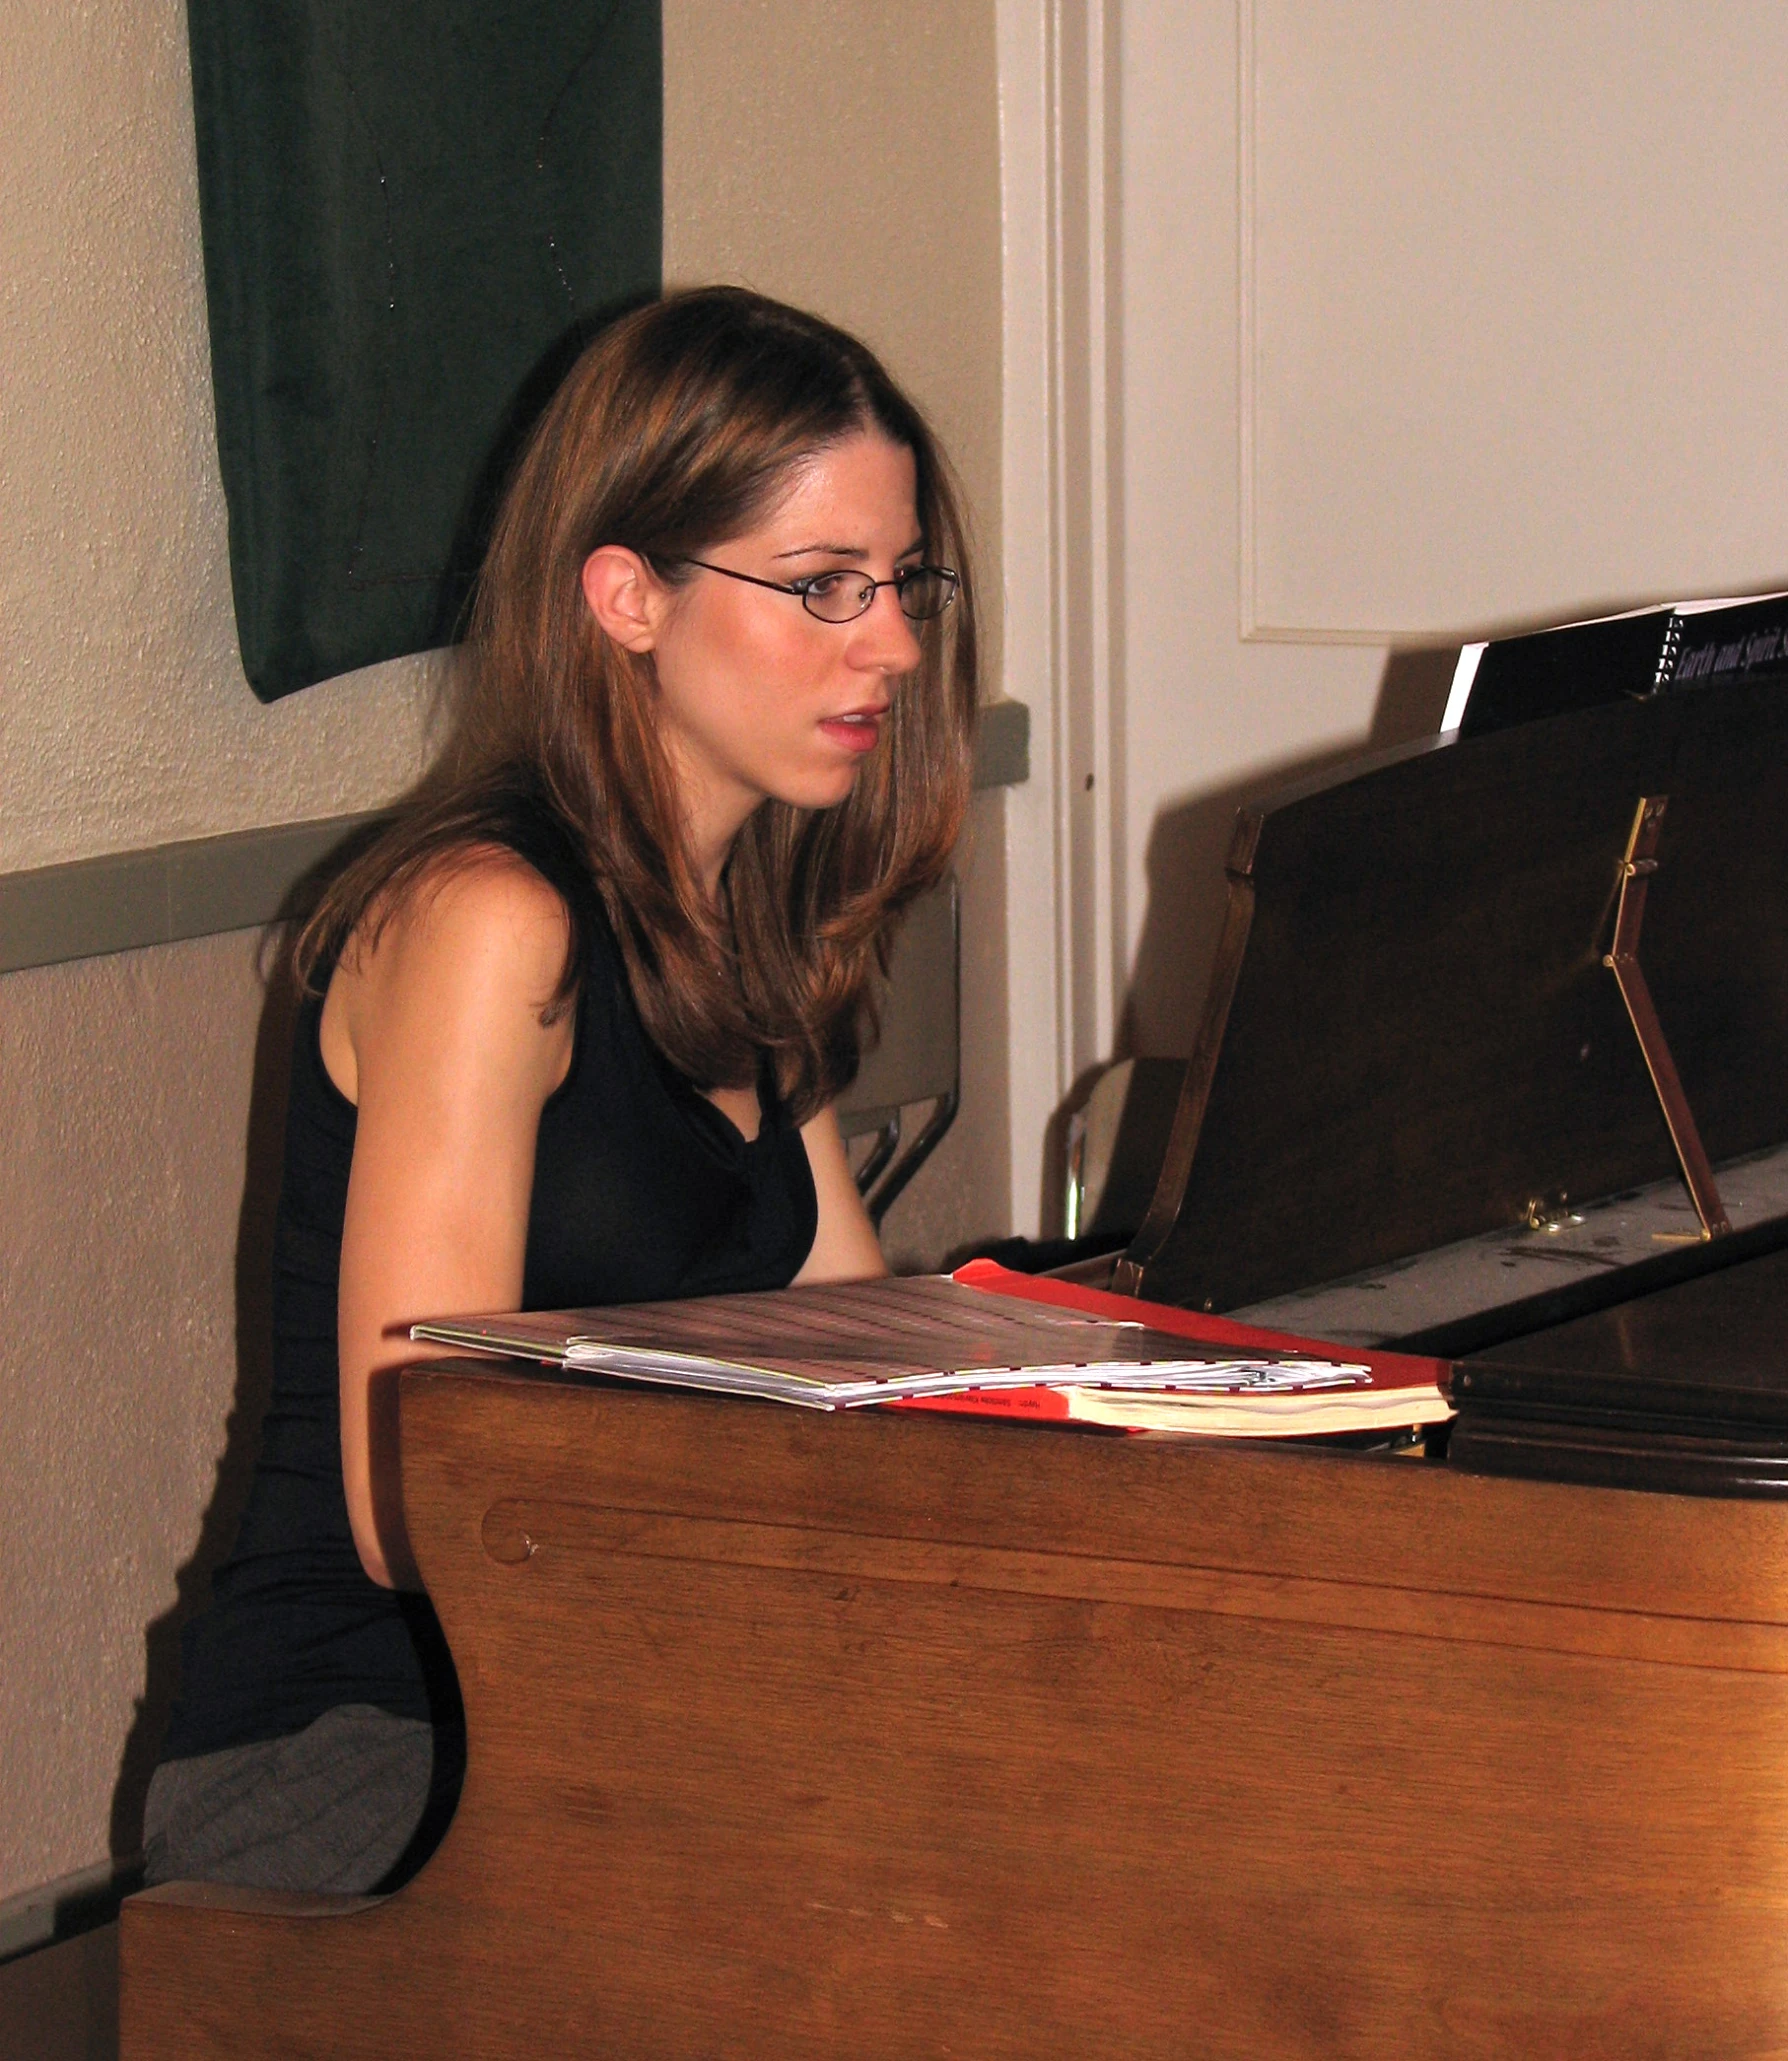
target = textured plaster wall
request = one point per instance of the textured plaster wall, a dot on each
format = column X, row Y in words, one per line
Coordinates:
column 124, row 716
column 124, row 1094
column 826, row 154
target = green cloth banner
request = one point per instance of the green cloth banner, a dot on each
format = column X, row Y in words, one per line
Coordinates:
column 413, row 211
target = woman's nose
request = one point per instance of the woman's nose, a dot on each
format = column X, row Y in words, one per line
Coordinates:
column 887, row 640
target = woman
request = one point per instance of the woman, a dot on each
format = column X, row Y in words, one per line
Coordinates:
column 573, row 1027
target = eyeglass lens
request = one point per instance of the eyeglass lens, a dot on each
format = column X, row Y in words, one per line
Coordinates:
column 924, row 591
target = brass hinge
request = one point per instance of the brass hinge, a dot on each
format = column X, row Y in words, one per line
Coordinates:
column 1636, row 868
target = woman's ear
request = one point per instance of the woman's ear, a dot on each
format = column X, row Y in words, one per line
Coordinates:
column 623, row 595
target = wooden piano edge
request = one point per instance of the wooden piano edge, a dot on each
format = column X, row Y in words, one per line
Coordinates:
column 247, row 1902
column 641, row 1514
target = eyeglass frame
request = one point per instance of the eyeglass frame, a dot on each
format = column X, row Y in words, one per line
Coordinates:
column 802, row 588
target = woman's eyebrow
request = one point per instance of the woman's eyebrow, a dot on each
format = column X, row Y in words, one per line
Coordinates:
column 843, row 551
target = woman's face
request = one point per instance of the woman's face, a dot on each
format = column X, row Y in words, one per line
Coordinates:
column 759, row 699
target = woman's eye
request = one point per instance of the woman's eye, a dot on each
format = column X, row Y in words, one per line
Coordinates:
column 823, row 584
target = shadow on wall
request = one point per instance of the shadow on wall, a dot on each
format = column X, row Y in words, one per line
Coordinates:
column 253, row 1290
column 1190, row 841
column 1187, row 891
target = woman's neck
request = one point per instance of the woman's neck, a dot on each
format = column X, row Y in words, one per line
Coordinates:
column 710, row 851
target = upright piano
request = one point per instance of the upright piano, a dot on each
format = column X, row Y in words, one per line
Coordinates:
column 1495, row 1065
column 888, row 1735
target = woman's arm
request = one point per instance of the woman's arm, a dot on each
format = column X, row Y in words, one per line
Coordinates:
column 845, row 1247
column 440, row 1035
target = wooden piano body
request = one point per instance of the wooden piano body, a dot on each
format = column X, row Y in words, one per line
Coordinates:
column 866, row 1735
column 876, row 1735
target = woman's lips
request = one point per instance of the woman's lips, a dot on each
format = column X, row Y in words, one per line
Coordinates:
column 854, row 732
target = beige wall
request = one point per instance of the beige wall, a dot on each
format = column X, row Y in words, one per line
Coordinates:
column 810, row 150
column 124, row 1095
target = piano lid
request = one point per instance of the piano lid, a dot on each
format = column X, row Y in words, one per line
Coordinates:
column 1412, row 1038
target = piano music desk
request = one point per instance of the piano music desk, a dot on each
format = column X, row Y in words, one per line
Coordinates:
column 871, row 1734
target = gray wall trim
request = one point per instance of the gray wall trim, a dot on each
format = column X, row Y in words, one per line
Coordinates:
column 1003, row 745
column 203, row 885
column 157, row 897
column 71, row 1904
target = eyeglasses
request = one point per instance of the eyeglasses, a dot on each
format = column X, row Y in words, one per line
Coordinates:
column 923, row 591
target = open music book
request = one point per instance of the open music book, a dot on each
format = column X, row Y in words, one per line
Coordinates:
column 863, row 1342
column 1392, row 1394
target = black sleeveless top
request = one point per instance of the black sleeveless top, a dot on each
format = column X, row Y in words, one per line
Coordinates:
column 642, row 1190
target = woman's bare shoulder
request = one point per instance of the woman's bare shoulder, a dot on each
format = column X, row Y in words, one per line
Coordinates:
column 479, row 908
column 465, row 967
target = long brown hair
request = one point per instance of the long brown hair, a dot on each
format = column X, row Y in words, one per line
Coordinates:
column 675, row 431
